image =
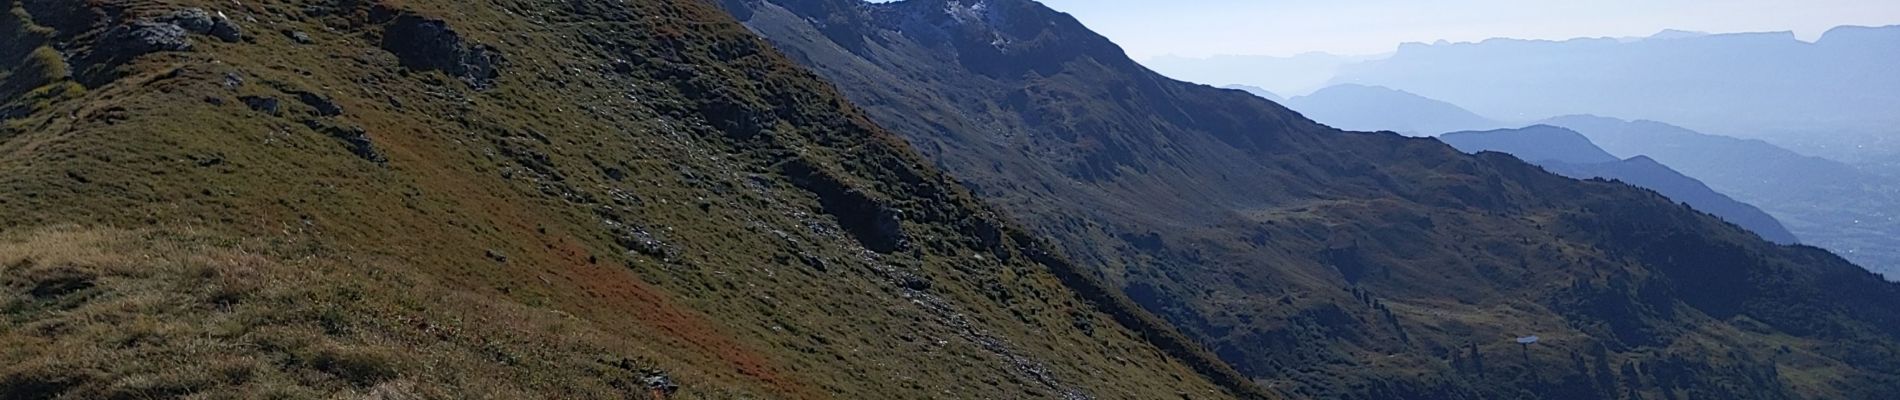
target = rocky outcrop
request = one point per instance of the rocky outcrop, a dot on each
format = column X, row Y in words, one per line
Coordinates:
column 355, row 138
column 877, row 226
column 429, row 44
column 142, row 37
column 199, row 21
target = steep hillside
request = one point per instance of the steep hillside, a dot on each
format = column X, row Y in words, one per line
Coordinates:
column 504, row 199
column 1827, row 203
column 1374, row 108
column 1568, row 153
column 1331, row 264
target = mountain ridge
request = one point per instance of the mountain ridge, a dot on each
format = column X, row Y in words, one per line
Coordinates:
column 1532, row 143
column 1257, row 91
column 1377, row 108
column 1570, row 154
column 1339, row 264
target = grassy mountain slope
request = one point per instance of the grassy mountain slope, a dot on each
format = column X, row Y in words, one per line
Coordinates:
column 1333, row 264
column 504, row 198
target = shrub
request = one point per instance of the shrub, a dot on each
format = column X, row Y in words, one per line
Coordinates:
column 41, row 67
column 44, row 64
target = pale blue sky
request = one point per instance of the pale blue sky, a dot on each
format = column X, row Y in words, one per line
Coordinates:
column 1195, row 28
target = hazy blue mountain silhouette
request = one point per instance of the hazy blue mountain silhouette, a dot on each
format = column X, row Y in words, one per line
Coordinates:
column 1569, row 153
column 1536, row 143
column 1825, row 202
column 1258, row 91
column 1886, row 165
column 1374, row 108
column 1837, row 91
column 1678, row 34
column 1302, row 73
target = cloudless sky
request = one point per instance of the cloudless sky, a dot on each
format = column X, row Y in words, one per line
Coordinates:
column 1198, row 28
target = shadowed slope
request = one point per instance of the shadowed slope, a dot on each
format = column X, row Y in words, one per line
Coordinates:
column 1333, row 264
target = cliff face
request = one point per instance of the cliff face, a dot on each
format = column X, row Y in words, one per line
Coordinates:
column 1337, row 264
column 507, row 198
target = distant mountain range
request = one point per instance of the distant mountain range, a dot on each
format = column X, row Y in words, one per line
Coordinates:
column 1298, row 74
column 1887, row 166
column 1375, row 108
column 1536, row 143
column 1833, row 95
column 1571, row 154
column 1258, row 91
column 1827, row 203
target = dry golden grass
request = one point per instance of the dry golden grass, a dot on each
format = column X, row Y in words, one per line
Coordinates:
column 106, row 313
